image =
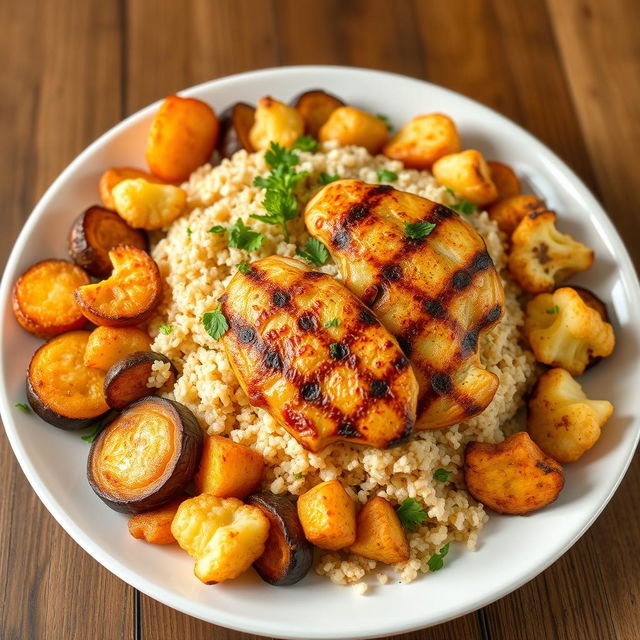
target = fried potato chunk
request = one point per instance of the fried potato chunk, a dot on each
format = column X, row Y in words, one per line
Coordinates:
column 223, row 535
column 228, row 469
column 423, row 140
column 468, row 175
column 111, row 177
column 380, row 534
column 148, row 205
column 564, row 331
column 513, row 477
column 154, row 527
column 350, row 126
column 508, row 212
column 328, row 516
column 562, row 421
column 505, row 179
column 107, row 345
column 541, row 257
column 275, row 122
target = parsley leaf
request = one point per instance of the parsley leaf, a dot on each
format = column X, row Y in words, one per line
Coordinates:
column 314, row 252
column 98, row 427
column 325, row 178
column 554, row 309
column 215, row 323
column 166, row 329
column 462, row 205
column 277, row 155
column 189, row 232
column 332, row 323
column 241, row 237
column 217, row 228
column 441, row 475
column 23, row 407
column 305, row 143
column 385, row 119
column 417, row 230
column 244, row 268
column 384, row 175
column 298, row 476
column 436, row 561
column 410, row 513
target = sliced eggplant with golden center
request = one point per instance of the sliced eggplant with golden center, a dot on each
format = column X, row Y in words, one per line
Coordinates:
column 288, row 555
column 146, row 456
column 323, row 383
column 235, row 124
column 433, row 287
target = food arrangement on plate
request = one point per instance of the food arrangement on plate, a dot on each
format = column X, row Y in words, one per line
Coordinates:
column 313, row 352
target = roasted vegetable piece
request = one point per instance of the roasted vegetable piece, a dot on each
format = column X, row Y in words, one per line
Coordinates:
column 228, row 469
column 350, row 126
column 43, row 300
column 592, row 300
column 148, row 205
column 513, row 477
column 468, row 175
column 275, row 122
column 223, row 535
column 154, row 527
column 183, row 134
column 107, row 345
column 111, row 177
column 508, row 212
column 565, row 332
column 146, row 456
column 60, row 389
column 287, row 555
column 128, row 379
column 349, row 382
column 437, row 293
column 315, row 107
column 328, row 516
column 129, row 296
column 561, row 420
column 423, row 140
column 505, row 179
column 541, row 257
column 235, row 125
column 94, row 233
column 381, row 535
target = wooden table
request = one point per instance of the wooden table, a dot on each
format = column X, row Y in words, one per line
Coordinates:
column 566, row 70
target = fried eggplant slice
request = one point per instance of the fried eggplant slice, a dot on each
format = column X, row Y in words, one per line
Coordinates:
column 433, row 287
column 309, row 352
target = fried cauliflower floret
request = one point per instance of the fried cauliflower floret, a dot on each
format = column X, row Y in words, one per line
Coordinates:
column 541, row 257
column 563, row 331
column 562, row 421
column 224, row 535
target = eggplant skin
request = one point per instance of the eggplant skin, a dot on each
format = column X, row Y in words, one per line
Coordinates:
column 286, row 529
column 235, row 123
column 180, row 471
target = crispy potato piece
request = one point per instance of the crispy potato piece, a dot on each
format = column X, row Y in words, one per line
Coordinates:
column 513, row 477
column 228, row 469
column 509, row 211
column 43, row 301
column 147, row 205
column 275, row 122
column 224, row 535
column 350, row 126
column 183, row 135
column 155, row 526
column 468, row 175
column 111, row 177
column 505, row 179
column 315, row 107
column 423, row 140
column 381, row 535
column 107, row 345
column 328, row 516
column 561, row 420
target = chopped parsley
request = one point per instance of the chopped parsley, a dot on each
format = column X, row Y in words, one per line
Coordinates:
column 384, row 175
column 325, row 178
column 215, row 323
column 97, row 428
column 242, row 237
column 23, row 407
column 455, row 506
column 385, row 119
column 338, row 351
column 554, row 309
column 166, row 329
column 217, row 228
column 332, row 323
column 462, row 205
column 298, row 476
column 410, row 513
column 441, row 475
column 244, row 268
column 305, row 143
column 436, row 561
column 314, row 252
column 189, row 232
column 417, row 230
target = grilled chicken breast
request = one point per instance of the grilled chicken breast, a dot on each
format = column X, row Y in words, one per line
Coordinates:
column 308, row 351
column 437, row 293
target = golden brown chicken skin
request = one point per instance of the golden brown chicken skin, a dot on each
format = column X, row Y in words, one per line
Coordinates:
column 309, row 352
column 437, row 294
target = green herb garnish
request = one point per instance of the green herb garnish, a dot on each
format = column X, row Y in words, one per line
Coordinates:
column 385, row 119
column 417, row 230
column 97, row 428
column 298, row 476
column 337, row 350
column 325, row 178
column 276, row 155
column 244, row 268
column 462, row 205
column 384, row 175
column 314, row 252
column 166, row 329
column 436, row 561
column 189, row 232
column 215, row 323
column 242, row 237
column 332, row 323
column 554, row 309
column 410, row 513
column 305, row 143
column 441, row 475
column 25, row 408
column 217, row 228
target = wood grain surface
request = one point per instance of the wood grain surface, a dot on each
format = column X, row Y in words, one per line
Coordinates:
column 566, row 70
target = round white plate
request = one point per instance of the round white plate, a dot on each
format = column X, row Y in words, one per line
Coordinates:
column 512, row 550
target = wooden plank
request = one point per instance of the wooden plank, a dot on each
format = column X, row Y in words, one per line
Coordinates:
column 59, row 90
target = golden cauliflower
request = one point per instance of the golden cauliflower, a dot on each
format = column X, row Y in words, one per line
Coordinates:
column 562, row 421
column 541, row 257
column 563, row 331
column 224, row 535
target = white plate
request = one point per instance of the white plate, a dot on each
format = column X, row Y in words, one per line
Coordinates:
column 512, row 550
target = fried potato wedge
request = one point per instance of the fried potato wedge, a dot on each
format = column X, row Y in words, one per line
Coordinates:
column 315, row 107
column 468, row 175
column 350, row 126
column 275, row 122
column 505, row 179
column 107, row 345
column 111, row 177
column 154, row 527
column 509, row 211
